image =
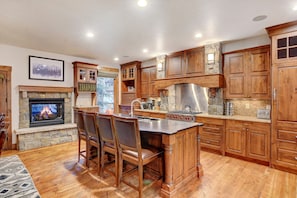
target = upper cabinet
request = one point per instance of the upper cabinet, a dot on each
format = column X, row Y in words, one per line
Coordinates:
column 148, row 77
column 185, row 63
column 130, row 84
column 247, row 73
column 195, row 61
column 175, row 64
column 285, row 48
column 85, row 79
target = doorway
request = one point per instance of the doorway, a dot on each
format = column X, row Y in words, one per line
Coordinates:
column 108, row 90
column 5, row 101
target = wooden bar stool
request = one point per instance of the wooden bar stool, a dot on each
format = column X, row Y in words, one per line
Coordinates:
column 107, row 143
column 81, row 135
column 92, row 138
column 130, row 150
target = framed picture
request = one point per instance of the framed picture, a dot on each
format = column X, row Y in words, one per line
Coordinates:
column 46, row 69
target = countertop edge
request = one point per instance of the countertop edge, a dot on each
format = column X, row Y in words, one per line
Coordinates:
column 206, row 115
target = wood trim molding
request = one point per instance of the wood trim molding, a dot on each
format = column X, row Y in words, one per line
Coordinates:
column 282, row 28
column 45, row 89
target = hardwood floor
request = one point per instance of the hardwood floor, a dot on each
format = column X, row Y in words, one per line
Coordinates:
column 56, row 173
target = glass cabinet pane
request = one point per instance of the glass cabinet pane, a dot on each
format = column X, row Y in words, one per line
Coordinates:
column 92, row 75
column 82, row 74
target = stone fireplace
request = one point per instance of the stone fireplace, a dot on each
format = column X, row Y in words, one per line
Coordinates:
column 56, row 101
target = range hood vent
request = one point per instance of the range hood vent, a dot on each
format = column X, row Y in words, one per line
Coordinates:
column 211, row 81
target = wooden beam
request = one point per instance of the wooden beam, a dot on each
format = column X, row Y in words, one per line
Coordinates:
column 45, row 89
column 216, row 80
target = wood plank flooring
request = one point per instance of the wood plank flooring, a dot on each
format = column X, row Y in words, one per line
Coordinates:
column 56, row 173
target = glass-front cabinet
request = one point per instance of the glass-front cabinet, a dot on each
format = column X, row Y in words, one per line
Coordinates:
column 85, row 79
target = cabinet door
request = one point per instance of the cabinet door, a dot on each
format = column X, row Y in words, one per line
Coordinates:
column 145, row 90
column 174, row 65
column 258, row 141
column 128, row 97
column 145, row 79
column 195, row 62
column 235, row 138
column 286, row 91
column 234, row 72
column 153, row 75
column 259, row 73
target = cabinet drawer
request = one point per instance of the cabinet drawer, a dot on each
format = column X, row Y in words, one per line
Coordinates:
column 287, row 135
column 220, row 122
column 287, row 156
column 210, row 136
column 211, row 142
column 287, row 145
column 212, row 129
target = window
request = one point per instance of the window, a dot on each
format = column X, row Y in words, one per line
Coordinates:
column 105, row 94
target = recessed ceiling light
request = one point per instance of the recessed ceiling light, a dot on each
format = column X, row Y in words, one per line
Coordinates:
column 198, row 35
column 259, row 18
column 145, row 50
column 90, row 34
column 116, row 59
column 142, row 3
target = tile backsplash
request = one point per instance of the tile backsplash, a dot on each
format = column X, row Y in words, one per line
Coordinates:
column 249, row 107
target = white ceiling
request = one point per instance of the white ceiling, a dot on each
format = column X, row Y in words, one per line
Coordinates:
column 122, row 29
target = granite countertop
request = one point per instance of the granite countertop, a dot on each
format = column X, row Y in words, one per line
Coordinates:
column 206, row 115
column 165, row 126
column 157, row 125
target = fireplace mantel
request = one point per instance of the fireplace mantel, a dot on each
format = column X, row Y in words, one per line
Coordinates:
column 26, row 88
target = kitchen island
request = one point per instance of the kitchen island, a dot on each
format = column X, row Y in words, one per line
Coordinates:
column 181, row 143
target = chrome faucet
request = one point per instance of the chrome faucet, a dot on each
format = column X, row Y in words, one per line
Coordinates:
column 132, row 105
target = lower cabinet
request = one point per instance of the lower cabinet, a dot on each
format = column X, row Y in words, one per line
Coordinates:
column 248, row 139
column 212, row 134
column 284, row 146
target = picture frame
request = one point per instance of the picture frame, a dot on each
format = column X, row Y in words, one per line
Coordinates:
column 41, row 68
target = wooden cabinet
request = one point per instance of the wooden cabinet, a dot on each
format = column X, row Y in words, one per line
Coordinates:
column 130, row 84
column 248, row 139
column 284, row 101
column 175, row 64
column 212, row 134
column 85, row 79
column 148, row 77
column 185, row 63
column 153, row 114
column 235, row 137
column 195, row 61
column 247, row 73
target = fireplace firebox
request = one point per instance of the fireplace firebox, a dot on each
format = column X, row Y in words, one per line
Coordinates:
column 46, row 111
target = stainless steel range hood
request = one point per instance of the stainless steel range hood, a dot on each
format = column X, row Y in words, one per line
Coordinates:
column 188, row 98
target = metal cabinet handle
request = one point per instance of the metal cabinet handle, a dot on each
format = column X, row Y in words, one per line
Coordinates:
column 295, row 158
column 274, row 93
